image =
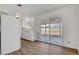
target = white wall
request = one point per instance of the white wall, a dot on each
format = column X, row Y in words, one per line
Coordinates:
column 77, row 11
column 10, row 34
column 70, row 22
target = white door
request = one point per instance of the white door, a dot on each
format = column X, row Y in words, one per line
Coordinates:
column 10, row 34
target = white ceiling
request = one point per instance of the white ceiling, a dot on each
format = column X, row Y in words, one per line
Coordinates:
column 29, row 9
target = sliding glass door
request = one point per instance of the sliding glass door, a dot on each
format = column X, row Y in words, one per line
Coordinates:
column 44, row 33
column 56, row 30
column 52, row 31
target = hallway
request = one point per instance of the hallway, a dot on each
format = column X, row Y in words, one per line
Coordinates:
column 41, row 48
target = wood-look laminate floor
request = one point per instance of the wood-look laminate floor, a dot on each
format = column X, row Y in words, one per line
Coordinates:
column 41, row 48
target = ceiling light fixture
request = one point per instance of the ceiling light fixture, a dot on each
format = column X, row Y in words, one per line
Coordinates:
column 19, row 5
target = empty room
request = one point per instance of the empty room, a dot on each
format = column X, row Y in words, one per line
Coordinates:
column 39, row 29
